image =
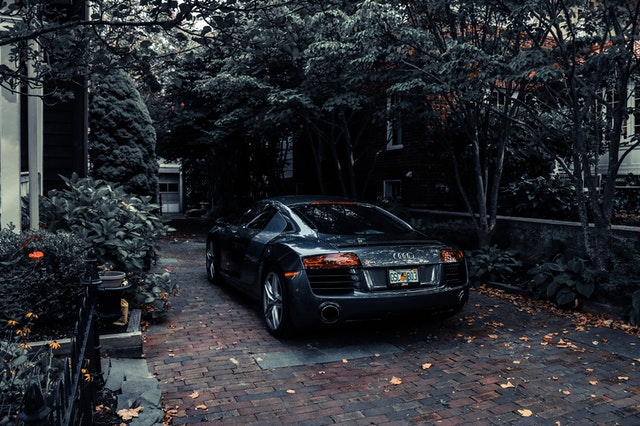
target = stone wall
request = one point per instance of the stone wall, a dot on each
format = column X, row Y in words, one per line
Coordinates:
column 534, row 237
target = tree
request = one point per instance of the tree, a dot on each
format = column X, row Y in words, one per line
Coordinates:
column 593, row 58
column 471, row 63
column 122, row 138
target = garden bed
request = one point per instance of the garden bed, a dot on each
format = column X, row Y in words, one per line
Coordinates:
column 115, row 341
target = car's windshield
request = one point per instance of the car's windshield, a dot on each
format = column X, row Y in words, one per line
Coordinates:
column 349, row 219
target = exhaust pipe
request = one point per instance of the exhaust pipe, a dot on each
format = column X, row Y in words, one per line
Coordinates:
column 329, row 312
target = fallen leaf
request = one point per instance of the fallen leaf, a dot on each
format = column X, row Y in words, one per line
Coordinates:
column 194, row 394
column 507, row 385
column 623, row 378
column 493, row 336
column 291, row 391
column 201, row 407
column 345, row 361
column 516, row 361
column 234, row 361
column 426, row 366
column 259, row 359
column 593, row 382
column 395, row 380
column 554, row 378
column 566, row 392
column 525, row 413
column 129, row 413
column 524, row 339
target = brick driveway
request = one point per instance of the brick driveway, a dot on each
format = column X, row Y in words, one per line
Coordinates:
column 496, row 363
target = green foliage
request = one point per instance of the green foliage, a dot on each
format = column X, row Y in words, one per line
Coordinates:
column 632, row 312
column 124, row 229
column 563, row 281
column 122, row 138
column 20, row 366
column 154, row 293
column 40, row 271
column 546, row 198
column 492, row 264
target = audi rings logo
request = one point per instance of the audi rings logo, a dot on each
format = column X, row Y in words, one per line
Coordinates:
column 403, row 255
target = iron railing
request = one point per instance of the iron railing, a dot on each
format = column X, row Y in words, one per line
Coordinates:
column 76, row 393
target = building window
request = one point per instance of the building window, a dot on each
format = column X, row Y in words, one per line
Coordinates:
column 394, row 123
column 613, row 99
column 392, row 188
column 168, row 187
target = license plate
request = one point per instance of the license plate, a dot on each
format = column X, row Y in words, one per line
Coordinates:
column 403, row 277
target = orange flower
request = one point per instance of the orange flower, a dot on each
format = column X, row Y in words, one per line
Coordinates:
column 36, row 255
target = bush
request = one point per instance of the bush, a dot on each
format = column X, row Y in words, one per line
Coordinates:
column 20, row 367
column 563, row 282
column 492, row 264
column 40, row 272
column 544, row 198
column 124, row 229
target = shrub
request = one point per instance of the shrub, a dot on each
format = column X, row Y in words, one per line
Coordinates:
column 124, row 229
column 545, row 198
column 154, row 292
column 20, row 367
column 40, row 272
column 632, row 312
column 563, row 282
column 492, row 264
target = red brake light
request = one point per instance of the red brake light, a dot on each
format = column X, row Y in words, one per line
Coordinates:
column 451, row 255
column 335, row 260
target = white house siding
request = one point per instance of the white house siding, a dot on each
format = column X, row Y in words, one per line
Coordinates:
column 9, row 154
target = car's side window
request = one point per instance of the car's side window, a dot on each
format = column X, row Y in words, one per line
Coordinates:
column 277, row 224
column 261, row 219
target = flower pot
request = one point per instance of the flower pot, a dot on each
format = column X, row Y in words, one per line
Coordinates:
column 110, row 293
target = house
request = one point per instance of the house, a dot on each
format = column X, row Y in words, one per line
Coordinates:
column 39, row 140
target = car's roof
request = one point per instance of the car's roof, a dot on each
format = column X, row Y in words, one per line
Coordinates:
column 293, row 200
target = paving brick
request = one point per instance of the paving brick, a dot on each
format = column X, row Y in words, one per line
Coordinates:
column 212, row 335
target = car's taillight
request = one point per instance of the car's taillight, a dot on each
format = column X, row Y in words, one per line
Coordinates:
column 451, row 255
column 335, row 260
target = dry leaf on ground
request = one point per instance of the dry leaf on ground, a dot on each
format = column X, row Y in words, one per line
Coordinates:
column 129, row 413
column 395, row 380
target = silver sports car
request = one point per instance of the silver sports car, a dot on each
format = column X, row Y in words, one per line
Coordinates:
column 320, row 260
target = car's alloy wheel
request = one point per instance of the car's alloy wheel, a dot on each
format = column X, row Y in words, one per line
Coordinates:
column 275, row 304
column 212, row 269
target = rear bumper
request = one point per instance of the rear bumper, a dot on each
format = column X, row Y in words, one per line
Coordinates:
column 310, row 310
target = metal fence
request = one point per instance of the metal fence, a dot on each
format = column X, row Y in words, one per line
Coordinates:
column 75, row 394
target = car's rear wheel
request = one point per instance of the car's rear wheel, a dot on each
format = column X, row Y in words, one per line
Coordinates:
column 275, row 304
column 212, row 262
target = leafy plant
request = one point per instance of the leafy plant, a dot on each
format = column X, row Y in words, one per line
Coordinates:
column 40, row 271
column 123, row 229
column 632, row 312
column 20, row 367
column 154, row 293
column 541, row 197
column 492, row 264
column 562, row 281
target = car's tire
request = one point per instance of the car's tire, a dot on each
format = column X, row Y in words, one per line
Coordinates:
column 212, row 263
column 276, row 304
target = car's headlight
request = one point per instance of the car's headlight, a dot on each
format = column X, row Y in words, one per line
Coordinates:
column 451, row 255
column 334, row 260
